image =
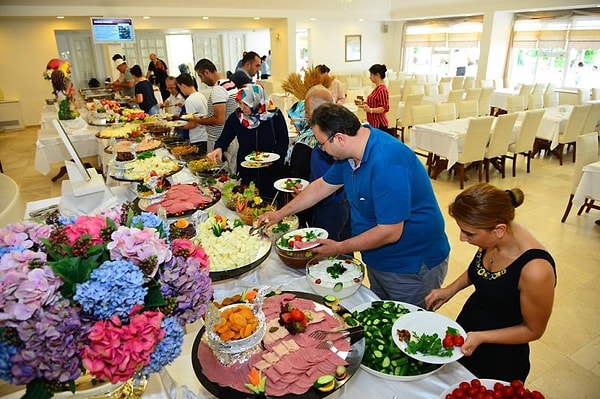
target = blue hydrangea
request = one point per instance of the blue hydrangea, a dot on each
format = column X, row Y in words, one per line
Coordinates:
column 113, row 289
column 147, row 219
column 66, row 220
column 6, row 352
column 168, row 349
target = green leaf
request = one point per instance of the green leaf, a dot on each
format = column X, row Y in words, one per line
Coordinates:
column 73, row 271
column 37, row 389
column 154, row 298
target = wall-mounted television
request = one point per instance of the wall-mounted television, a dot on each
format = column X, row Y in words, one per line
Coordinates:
column 112, row 30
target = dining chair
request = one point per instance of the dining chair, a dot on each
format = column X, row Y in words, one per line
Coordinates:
column 406, row 121
column 535, row 101
column 525, row 138
column 421, row 78
column 550, row 96
column 525, row 90
column 395, row 87
column 12, row 206
column 392, row 114
column 539, row 88
column 484, row 101
column 445, row 112
column 445, row 84
column 411, row 89
column 515, row 104
column 592, row 120
column 473, row 151
column 573, row 129
column 473, row 93
column 469, row 82
column 458, row 82
column 468, row 109
column 423, row 113
column 455, row 96
column 353, row 82
column 588, row 153
column 431, row 89
column 595, row 94
column 495, row 153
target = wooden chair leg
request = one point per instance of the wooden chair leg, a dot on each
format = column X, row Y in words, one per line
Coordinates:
column 574, row 151
column 514, row 162
column 569, row 205
column 503, row 165
column 486, row 165
column 480, row 170
column 459, row 168
column 528, row 156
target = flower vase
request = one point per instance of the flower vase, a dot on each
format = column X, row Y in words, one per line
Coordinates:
column 86, row 388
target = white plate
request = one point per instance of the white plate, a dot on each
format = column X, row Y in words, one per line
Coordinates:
column 411, row 308
column 321, row 233
column 263, row 157
column 280, row 184
column 178, row 123
column 489, row 384
column 186, row 117
column 253, row 165
column 428, row 323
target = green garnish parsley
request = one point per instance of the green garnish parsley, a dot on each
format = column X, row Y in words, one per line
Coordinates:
column 336, row 270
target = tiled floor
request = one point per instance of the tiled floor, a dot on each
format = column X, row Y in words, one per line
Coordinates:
column 565, row 362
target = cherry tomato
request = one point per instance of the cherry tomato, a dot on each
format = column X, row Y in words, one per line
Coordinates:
column 475, row 383
column 521, row 392
column 516, row 384
column 297, row 237
column 448, row 342
column 449, row 396
column 508, row 391
column 458, row 394
column 464, row 386
column 458, row 340
column 473, row 392
column 498, row 386
column 537, row 395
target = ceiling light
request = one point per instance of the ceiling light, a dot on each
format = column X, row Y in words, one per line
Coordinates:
column 145, row 17
column 256, row 18
column 204, row 17
column 313, row 19
column 361, row 20
column 60, row 17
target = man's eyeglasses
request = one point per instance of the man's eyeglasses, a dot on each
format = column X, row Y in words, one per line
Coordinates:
column 330, row 139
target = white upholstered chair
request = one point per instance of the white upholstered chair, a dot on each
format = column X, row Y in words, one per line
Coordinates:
column 455, row 96
column 498, row 146
column 473, row 151
column 468, row 109
column 473, row 94
column 591, row 121
column 445, row 112
column 515, row 104
column 525, row 138
column 588, row 153
column 406, row 121
column 573, row 129
column 484, row 100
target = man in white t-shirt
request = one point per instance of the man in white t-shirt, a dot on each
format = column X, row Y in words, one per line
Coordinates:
column 195, row 103
column 221, row 104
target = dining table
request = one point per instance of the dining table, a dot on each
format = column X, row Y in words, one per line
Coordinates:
column 50, row 147
column 589, row 185
column 499, row 98
column 435, row 99
column 552, row 124
column 179, row 381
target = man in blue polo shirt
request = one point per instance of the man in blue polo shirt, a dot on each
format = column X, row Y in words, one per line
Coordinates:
column 396, row 222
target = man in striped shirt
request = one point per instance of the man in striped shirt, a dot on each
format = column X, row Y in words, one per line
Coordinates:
column 221, row 104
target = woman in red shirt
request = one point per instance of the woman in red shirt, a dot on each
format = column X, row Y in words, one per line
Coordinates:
column 378, row 102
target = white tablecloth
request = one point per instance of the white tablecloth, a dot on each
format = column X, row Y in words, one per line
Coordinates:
column 440, row 98
column 589, row 184
column 50, row 148
column 499, row 97
column 275, row 274
column 553, row 123
column 441, row 138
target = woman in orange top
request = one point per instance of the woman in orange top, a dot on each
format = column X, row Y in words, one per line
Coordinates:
column 378, row 102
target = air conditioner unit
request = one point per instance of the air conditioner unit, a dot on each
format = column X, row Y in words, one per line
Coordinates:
column 385, row 28
column 11, row 117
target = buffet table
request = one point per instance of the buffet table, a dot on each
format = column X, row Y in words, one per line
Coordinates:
column 180, row 376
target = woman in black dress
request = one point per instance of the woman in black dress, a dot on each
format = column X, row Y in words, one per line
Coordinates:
column 258, row 126
column 514, row 279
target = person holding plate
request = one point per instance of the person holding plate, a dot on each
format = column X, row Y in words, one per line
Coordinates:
column 258, row 127
column 396, row 222
column 514, row 279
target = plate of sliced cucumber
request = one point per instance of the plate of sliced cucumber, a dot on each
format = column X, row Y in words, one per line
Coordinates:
column 382, row 357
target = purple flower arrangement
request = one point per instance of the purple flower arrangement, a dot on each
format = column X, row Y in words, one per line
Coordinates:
column 106, row 295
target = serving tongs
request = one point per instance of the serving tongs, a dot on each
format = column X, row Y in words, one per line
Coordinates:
column 259, row 229
column 43, row 212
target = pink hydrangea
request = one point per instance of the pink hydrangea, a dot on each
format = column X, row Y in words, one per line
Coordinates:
column 191, row 250
column 137, row 245
column 23, row 234
column 116, row 350
column 23, row 290
column 86, row 225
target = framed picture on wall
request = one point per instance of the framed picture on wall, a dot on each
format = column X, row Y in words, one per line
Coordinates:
column 353, row 47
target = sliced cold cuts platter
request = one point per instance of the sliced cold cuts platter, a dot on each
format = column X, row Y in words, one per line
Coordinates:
column 183, row 200
column 291, row 373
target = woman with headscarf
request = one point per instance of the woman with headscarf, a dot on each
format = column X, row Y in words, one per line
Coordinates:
column 258, row 126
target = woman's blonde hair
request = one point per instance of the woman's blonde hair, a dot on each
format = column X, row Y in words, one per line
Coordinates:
column 483, row 206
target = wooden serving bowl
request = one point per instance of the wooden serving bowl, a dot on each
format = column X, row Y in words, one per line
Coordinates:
column 295, row 259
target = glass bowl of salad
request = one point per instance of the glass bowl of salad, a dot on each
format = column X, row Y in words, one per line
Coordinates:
column 338, row 275
column 295, row 248
column 288, row 224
